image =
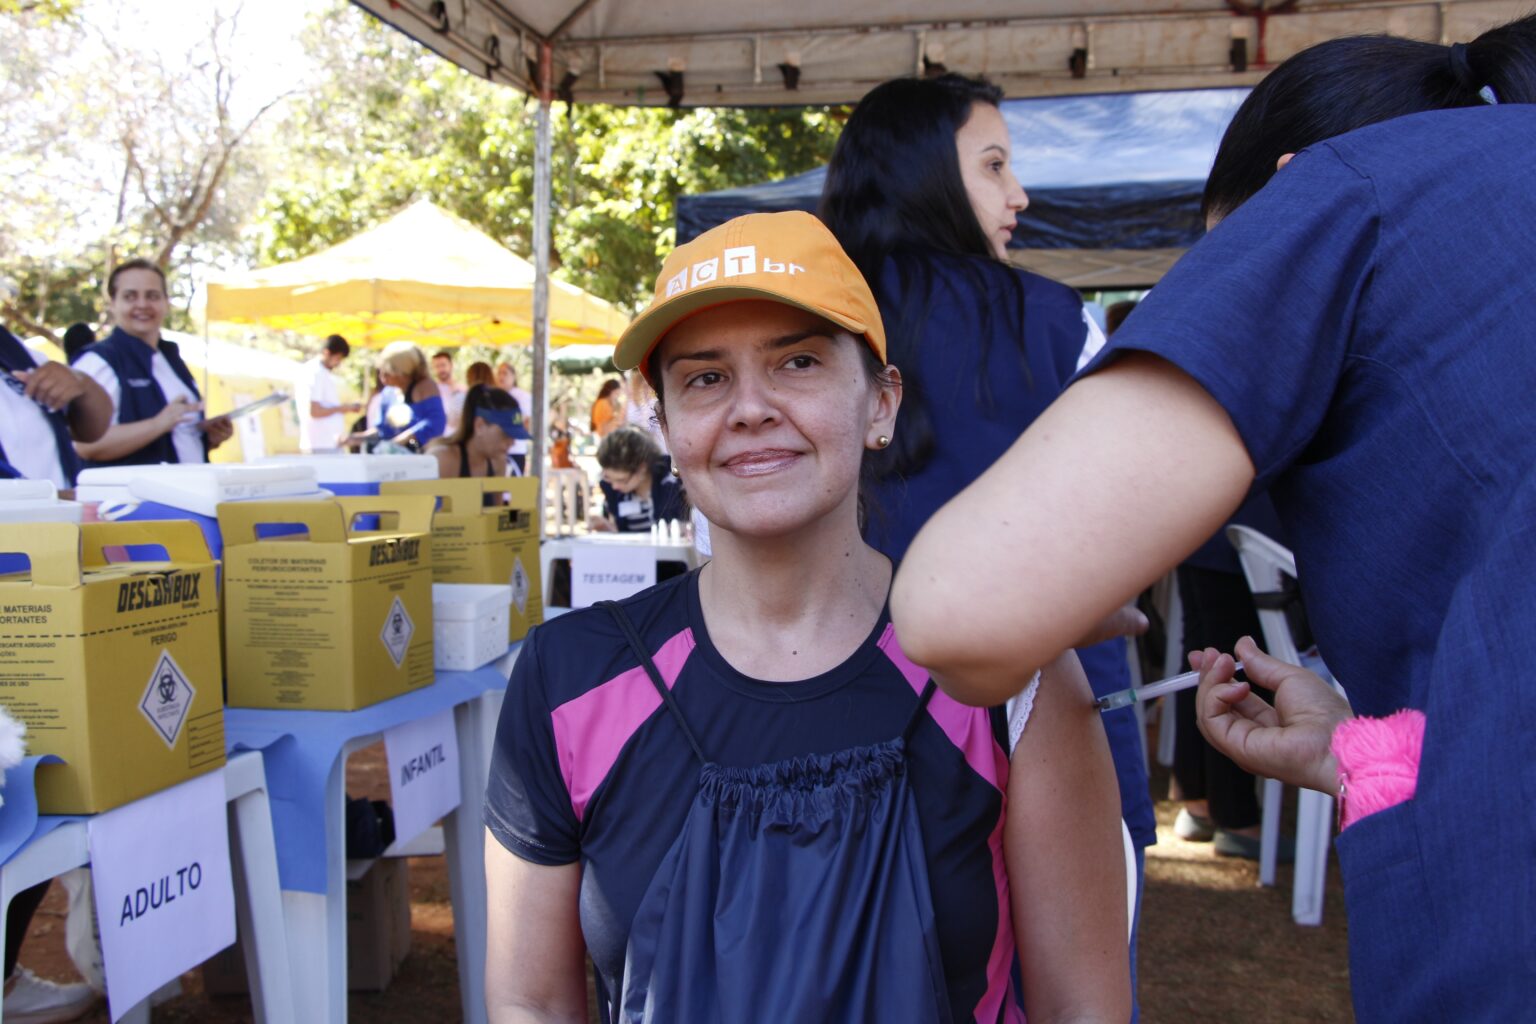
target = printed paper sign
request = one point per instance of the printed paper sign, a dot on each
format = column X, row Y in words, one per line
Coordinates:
column 519, row 585
column 397, row 631
column 167, row 699
column 608, row 572
column 423, row 773
column 164, row 895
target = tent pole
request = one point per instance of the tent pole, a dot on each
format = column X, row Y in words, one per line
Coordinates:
column 542, row 172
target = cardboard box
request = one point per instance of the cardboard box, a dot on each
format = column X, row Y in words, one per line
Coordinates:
column 112, row 664
column 378, row 932
column 334, row 619
column 475, row 544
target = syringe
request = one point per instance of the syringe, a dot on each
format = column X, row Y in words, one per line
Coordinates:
column 1152, row 691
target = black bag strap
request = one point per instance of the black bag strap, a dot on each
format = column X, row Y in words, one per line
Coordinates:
column 917, row 712
column 636, row 645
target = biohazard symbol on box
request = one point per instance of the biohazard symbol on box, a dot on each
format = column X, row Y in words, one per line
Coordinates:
column 519, row 585
column 398, row 628
column 167, row 699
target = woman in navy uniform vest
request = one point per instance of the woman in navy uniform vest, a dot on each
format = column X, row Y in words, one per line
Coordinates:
column 159, row 408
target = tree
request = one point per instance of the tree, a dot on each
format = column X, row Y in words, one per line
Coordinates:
column 148, row 160
column 392, row 123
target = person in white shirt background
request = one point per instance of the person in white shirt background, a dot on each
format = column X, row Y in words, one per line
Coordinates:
column 43, row 405
column 157, row 417
column 320, row 406
column 451, row 391
column 506, row 379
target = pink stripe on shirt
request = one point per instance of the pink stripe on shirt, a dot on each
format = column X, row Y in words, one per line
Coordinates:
column 592, row 729
column 970, row 730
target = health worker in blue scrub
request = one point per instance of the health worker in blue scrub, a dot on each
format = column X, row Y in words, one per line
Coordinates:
column 733, row 790
column 921, row 193
column 1354, row 334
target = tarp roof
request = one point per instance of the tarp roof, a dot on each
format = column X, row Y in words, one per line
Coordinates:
column 424, row 275
column 1114, row 183
column 729, row 52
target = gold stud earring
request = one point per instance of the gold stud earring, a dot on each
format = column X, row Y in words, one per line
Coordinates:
column 882, row 441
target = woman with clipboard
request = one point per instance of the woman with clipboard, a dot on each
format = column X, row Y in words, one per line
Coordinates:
column 157, row 406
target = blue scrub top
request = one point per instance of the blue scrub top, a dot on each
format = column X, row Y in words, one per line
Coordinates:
column 980, row 392
column 1366, row 321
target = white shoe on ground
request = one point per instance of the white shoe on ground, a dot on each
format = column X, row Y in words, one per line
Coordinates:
column 33, row 1000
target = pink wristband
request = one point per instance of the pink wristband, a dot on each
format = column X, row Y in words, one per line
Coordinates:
column 1378, row 761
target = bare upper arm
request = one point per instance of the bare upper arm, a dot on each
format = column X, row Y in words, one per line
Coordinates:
column 1118, row 480
column 535, row 964
column 1065, row 855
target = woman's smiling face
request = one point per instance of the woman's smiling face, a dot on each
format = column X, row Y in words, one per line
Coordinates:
column 768, row 412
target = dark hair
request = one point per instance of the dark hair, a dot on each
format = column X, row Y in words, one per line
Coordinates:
column 895, row 195
column 77, row 337
column 1115, row 314
column 337, row 345
column 627, row 449
column 1343, row 84
column 443, row 353
column 479, row 397
column 480, row 372
column 133, row 264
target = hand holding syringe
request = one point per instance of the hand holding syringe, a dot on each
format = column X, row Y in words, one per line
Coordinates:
column 1152, row 691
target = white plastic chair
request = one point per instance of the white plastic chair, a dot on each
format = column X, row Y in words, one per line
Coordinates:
column 1265, row 562
column 567, row 498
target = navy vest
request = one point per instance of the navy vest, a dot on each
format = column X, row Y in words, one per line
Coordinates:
column 14, row 356
column 139, row 396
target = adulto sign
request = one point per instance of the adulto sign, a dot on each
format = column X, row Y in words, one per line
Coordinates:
column 164, row 894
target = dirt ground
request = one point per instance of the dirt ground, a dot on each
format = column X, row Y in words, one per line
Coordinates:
column 1214, row 946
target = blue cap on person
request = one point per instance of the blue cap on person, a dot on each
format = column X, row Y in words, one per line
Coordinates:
column 783, row 257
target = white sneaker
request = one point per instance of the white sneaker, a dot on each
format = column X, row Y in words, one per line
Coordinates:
column 33, row 1000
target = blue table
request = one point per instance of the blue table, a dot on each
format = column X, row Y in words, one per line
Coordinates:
column 305, row 753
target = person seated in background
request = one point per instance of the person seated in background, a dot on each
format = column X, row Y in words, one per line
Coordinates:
column 402, row 365
column 491, row 422
column 560, row 436
column 157, row 408
column 639, row 487
column 44, row 406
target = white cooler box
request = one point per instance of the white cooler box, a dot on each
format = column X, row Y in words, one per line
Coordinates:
column 170, row 491
column 469, row 624
column 359, row 474
column 35, row 501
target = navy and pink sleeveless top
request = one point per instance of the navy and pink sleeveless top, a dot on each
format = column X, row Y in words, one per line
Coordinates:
column 589, row 767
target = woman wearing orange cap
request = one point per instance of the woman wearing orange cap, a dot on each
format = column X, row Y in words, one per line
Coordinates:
column 734, row 790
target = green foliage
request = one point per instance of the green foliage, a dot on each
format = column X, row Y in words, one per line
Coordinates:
column 43, row 10
column 391, row 123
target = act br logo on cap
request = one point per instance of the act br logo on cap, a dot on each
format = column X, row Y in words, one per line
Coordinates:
column 782, row 257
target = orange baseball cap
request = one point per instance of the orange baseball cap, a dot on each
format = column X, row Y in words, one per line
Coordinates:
column 783, row 257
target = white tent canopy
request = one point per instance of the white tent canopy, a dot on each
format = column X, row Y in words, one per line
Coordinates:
column 736, row 53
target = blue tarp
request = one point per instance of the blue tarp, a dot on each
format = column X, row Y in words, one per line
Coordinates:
column 1119, row 171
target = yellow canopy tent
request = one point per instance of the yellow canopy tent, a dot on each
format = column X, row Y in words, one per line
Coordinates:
column 425, row 276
